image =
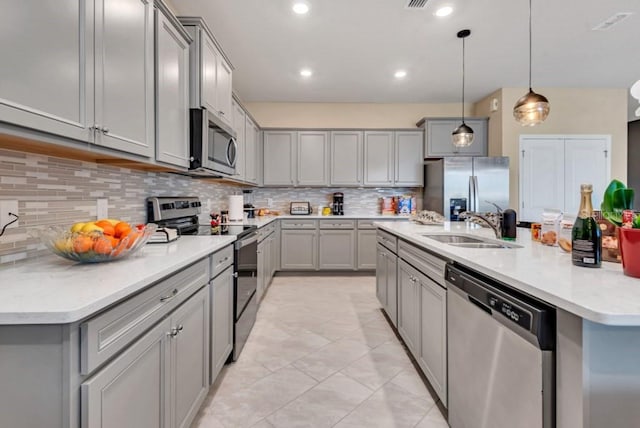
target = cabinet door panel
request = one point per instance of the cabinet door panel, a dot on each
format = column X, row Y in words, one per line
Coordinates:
column 223, row 89
column 299, row 248
column 172, row 94
column 346, row 158
column 381, row 276
column 392, row 287
column 541, row 177
column 239, row 118
column 438, row 141
column 408, row 307
column 409, row 158
column 221, row 320
column 279, row 156
column 251, row 151
column 337, row 249
column 132, row 390
column 190, row 357
column 378, row 158
column 46, row 77
column 433, row 341
column 124, row 77
column 366, row 249
column 209, row 73
column 313, row 150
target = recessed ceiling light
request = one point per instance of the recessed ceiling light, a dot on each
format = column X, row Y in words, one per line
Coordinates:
column 444, row 11
column 300, row 8
column 400, row 74
column 305, row 72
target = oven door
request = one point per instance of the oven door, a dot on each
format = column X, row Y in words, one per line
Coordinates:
column 246, row 261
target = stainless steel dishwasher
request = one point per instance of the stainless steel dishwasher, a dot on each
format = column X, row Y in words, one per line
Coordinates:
column 501, row 355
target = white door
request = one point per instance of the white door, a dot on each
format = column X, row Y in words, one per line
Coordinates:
column 586, row 162
column 541, row 176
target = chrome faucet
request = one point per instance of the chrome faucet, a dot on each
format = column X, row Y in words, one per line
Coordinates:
column 496, row 229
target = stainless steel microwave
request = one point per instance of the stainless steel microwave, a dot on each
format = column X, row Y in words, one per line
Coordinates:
column 214, row 149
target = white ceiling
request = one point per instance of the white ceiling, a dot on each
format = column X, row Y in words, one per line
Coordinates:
column 355, row 46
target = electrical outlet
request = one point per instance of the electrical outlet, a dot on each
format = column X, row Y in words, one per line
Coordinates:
column 269, row 203
column 102, row 208
column 7, row 207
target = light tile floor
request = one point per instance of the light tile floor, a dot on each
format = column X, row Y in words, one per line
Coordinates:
column 321, row 354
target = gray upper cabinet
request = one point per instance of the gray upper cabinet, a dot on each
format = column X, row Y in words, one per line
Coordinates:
column 239, row 118
column 378, row 158
column 438, row 138
column 172, row 90
column 279, row 158
column 313, row 152
column 409, row 158
column 124, row 84
column 211, row 72
column 346, row 158
column 251, row 139
column 46, row 77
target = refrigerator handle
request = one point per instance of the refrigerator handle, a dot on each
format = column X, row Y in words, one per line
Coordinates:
column 476, row 199
column 472, row 195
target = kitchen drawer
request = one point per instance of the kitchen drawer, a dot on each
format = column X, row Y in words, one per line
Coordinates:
column 424, row 261
column 337, row 224
column 220, row 260
column 265, row 231
column 387, row 240
column 366, row 224
column 298, row 224
column 108, row 333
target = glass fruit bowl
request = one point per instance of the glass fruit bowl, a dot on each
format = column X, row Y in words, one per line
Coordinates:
column 94, row 247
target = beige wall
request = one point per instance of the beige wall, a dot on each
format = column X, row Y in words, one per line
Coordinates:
column 347, row 115
column 573, row 111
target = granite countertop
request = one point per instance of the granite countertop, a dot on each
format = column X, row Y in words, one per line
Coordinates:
column 52, row 290
column 603, row 295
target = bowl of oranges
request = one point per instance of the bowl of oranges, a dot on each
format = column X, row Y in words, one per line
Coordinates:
column 97, row 241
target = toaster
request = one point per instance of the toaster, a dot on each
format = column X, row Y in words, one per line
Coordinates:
column 300, row 208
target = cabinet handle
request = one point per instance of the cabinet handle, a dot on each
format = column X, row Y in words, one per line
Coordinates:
column 169, row 297
column 223, row 260
column 176, row 330
column 105, row 130
column 221, row 112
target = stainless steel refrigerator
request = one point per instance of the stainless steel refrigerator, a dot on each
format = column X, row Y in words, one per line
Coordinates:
column 457, row 184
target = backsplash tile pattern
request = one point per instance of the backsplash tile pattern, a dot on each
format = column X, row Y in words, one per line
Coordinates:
column 53, row 191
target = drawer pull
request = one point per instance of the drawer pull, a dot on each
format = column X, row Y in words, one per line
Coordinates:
column 173, row 294
column 176, row 330
column 223, row 260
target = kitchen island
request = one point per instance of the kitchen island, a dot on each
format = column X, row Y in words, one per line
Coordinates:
column 597, row 315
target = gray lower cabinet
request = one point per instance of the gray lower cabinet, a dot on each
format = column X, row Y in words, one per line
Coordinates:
column 386, row 282
column 438, row 137
column 299, row 249
column 161, row 380
column 172, row 90
column 381, row 276
column 337, row 249
column 433, row 335
column 409, row 306
column 366, row 249
column 262, row 267
column 124, row 107
column 47, row 73
column 221, row 321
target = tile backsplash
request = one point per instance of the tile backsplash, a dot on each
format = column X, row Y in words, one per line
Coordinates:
column 52, row 191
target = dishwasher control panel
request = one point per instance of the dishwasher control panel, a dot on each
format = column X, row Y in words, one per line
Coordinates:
column 514, row 313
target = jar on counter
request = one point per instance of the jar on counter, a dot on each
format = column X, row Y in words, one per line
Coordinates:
column 536, row 232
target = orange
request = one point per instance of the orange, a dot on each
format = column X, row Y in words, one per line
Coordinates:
column 102, row 246
column 113, row 240
column 122, row 229
column 122, row 245
column 107, row 227
column 131, row 238
column 82, row 243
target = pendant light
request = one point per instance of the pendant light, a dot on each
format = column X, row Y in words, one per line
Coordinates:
column 462, row 136
column 531, row 109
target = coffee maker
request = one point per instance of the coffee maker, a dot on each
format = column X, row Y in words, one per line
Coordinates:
column 338, row 203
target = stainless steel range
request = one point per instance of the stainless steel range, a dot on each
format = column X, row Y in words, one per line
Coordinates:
column 181, row 213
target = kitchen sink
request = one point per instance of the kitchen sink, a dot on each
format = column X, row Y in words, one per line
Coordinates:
column 466, row 241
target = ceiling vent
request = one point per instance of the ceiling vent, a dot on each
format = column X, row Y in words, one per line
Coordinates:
column 610, row 22
column 415, row 4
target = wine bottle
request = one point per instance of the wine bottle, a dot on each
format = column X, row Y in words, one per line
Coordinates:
column 586, row 236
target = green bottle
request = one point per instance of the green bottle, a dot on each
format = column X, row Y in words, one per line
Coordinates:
column 586, row 236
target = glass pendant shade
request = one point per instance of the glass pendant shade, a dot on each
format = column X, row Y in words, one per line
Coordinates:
column 532, row 109
column 462, row 136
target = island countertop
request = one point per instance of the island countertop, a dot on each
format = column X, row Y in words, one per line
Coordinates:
column 603, row 295
column 52, row 290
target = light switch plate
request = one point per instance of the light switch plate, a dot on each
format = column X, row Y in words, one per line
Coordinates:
column 102, row 208
column 7, row 207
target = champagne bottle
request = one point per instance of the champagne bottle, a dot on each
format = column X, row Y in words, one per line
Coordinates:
column 586, row 236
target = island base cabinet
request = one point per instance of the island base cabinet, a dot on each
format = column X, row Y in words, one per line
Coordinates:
column 386, row 282
column 409, row 306
column 160, row 381
column 221, row 321
column 433, row 335
column 381, row 277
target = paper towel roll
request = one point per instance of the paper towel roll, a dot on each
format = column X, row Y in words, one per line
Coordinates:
column 236, row 207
